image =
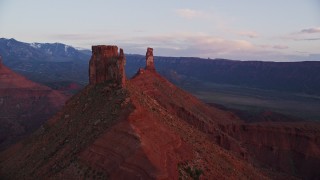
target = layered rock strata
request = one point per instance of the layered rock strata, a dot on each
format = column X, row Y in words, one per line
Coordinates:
column 106, row 64
column 150, row 59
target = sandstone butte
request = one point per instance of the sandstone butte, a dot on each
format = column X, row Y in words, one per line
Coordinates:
column 24, row 105
column 147, row 128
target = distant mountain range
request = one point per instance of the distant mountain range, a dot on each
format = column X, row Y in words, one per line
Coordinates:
column 56, row 65
column 59, row 66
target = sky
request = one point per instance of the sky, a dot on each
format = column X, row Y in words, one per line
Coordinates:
column 268, row 30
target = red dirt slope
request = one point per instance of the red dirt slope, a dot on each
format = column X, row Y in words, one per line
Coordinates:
column 189, row 109
column 290, row 147
column 107, row 131
column 24, row 105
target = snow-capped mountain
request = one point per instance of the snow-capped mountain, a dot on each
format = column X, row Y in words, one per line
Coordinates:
column 9, row 48
column 45, row 63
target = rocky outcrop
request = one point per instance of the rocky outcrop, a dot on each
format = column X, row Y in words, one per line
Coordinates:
column 149, row 59
column 106, row 64
column 149, row 63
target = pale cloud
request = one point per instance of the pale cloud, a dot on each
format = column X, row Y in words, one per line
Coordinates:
column 280, row 47
column 200, row 41
column 311, row 30
column 264, row 46
column 74, row 36
column 309, row 34
column 250, row 34
column 189, row 44
column 298, row 37
column 307, row 39
column 204, row 45
column 189, row 13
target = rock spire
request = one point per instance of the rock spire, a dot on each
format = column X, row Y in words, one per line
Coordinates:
column 149, row 59
column 106, row 64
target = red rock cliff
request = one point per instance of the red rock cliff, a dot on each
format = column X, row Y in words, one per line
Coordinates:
column 106, row 64
column 293, row 148
column 149, row 59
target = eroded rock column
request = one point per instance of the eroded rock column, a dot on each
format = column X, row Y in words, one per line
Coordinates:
column 106, row 64
column 149, row 59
